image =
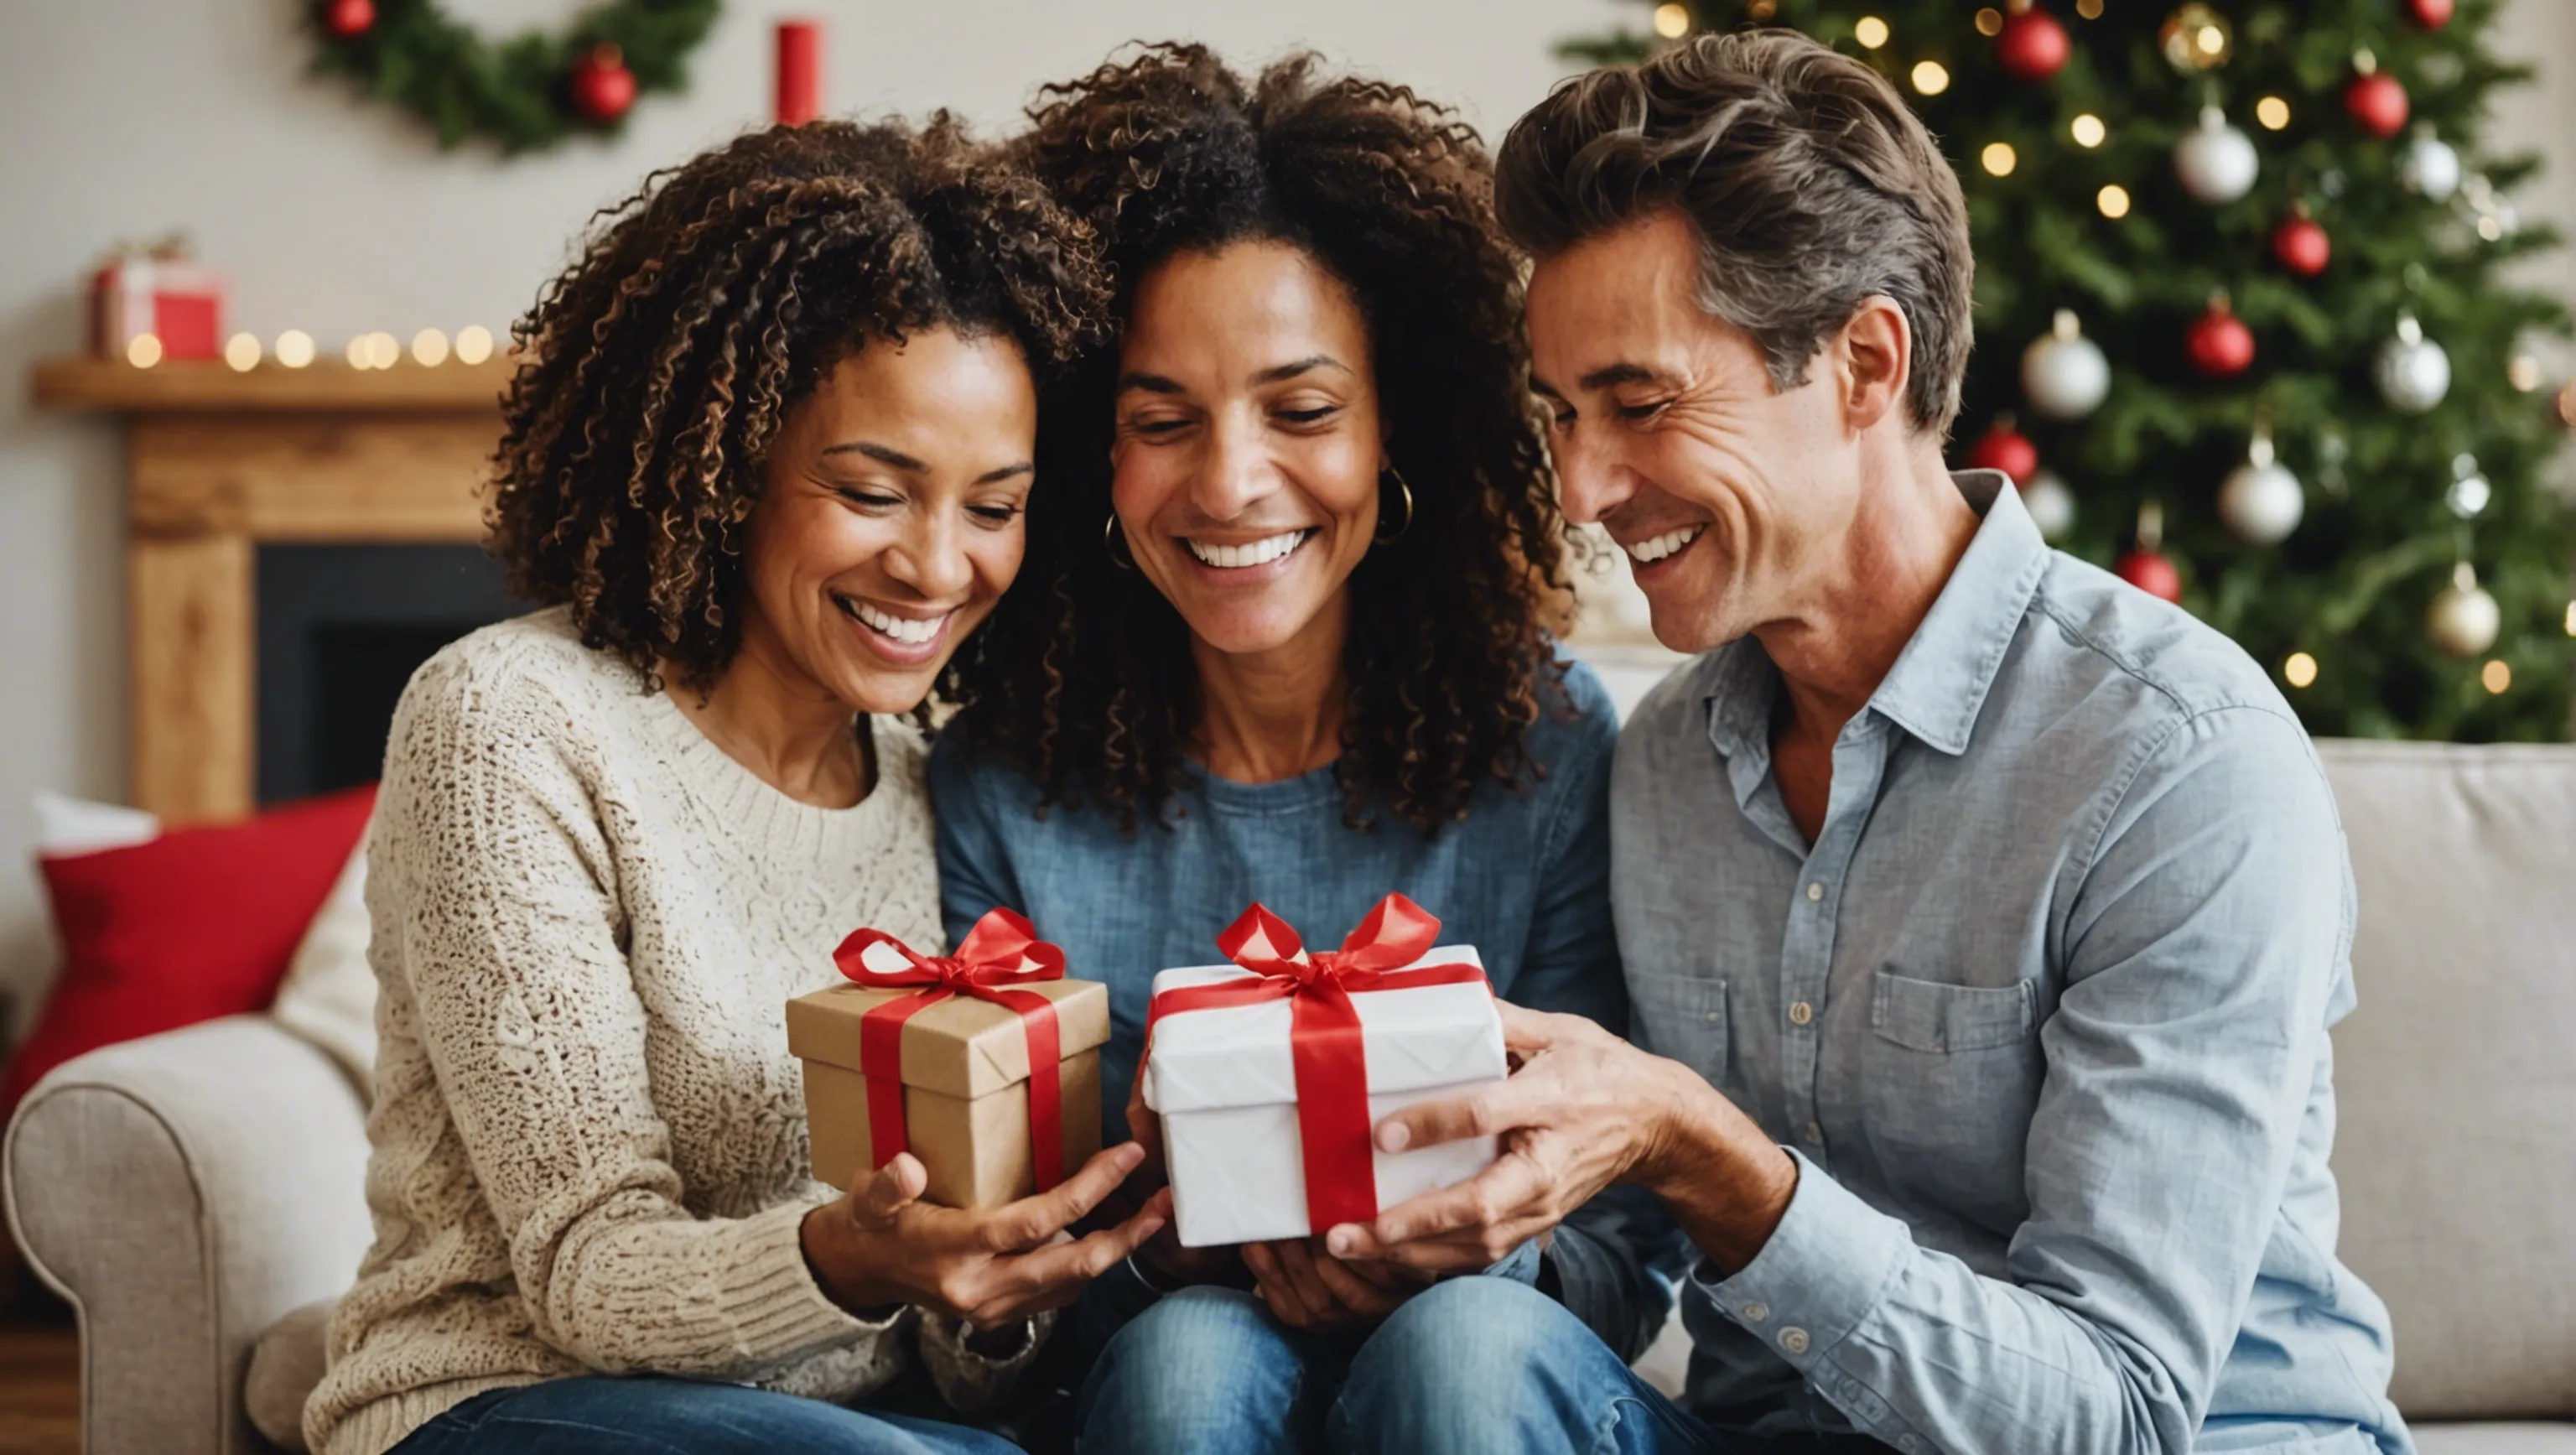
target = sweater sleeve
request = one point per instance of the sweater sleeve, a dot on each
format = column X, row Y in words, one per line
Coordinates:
column 508, row 935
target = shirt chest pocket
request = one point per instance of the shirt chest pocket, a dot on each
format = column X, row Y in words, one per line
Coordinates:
column 1682, row 1018
column 1950, row 1076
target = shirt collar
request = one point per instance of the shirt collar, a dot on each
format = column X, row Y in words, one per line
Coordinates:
column 1939, row 682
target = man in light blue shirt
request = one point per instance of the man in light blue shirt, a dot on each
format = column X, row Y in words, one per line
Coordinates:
column 1983, row 917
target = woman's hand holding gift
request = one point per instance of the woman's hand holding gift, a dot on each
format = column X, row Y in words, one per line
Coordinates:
column 880, row 1245
column 1308, row 1288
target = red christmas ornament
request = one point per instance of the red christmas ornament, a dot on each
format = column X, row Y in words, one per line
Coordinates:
column 2151, row 573
column 2377, row 102
column 601, row 85
column 2032, row 46
column 2220, row 344
column 2302, row 246
column 2007, row 449
column 349, row 19
column 2430, row 14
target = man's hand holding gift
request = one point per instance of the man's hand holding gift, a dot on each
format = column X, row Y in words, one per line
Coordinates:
column 1582, row 1110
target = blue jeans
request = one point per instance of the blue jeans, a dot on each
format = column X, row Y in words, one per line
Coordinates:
column 1474, row 1366
column 650, row 1415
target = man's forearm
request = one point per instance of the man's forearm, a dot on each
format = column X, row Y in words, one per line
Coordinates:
column 1725, row 1183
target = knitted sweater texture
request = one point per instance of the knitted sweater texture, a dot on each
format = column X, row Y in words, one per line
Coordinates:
column 589, row 1138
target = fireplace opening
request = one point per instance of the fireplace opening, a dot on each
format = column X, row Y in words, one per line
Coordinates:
column 341, row 630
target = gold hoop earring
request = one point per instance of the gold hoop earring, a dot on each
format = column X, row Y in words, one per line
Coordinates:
column 1384, row 535
column 1113, row 542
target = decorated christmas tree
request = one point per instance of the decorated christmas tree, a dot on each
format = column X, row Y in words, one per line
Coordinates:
column 2242, row 329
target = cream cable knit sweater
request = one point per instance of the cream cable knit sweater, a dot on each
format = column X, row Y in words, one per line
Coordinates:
column 589, row 1137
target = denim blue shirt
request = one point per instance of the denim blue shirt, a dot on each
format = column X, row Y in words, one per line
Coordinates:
column 2042, row 1013
column 1525, row 879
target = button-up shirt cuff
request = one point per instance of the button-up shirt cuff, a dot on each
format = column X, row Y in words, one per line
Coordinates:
column 1824, row 1270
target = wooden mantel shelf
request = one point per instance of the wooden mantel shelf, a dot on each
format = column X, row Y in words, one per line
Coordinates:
column 324, row 386
column 220, row 462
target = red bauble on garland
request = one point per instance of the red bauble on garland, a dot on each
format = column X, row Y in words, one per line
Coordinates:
column 2032, row 46
column 2302, row 246
column 602, row 87
column 2153, row 573
column 2430, row 14
column 349, row 19
column 2007, row 449
column 2220, row 345
column 2377, row 102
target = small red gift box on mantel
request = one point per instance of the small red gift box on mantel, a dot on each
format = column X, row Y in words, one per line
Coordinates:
column 158, row 290
column 984, row 1064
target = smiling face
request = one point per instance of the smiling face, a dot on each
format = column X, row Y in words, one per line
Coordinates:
column 893, row 516
column 1726, row 496
column 1248, row 444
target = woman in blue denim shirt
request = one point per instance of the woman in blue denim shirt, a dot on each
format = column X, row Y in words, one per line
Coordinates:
column 1280, row 637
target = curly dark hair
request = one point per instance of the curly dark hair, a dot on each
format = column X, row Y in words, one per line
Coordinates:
column 1082, row 679
column 708, row 306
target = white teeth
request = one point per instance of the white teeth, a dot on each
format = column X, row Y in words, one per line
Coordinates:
column 1647, row 552
column 1257, row 553
column 904, row 629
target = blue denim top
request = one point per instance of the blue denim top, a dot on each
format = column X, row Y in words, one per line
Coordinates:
column 2043, row 1013
column 1525, row 878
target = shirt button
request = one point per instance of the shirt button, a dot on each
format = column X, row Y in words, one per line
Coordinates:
column 1794, row 1340
column 1755, row 1313
column 1712, row 1017
column 1815, row 1132
column 1908, row 1444
column 1801, row 1013
column 1815, row 892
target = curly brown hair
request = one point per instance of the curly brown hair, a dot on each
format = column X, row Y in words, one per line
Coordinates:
column 1082, row 680
column 704, row 309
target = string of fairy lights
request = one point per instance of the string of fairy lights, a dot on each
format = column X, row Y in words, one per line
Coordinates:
column 295, row 349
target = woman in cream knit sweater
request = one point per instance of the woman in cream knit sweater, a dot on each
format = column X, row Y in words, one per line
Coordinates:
column 767, row 458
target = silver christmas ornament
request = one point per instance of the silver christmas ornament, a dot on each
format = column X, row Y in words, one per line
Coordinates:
column 2050, row 503
column 2412, row 371
column 2464, row 619
column 2469, row 492
column 2431, row 167
column 2215, row 162
column 2261, row 501
column 2063, row 373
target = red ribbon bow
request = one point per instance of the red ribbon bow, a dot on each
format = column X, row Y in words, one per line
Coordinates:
column 1001, row 951
column 1324, row 1040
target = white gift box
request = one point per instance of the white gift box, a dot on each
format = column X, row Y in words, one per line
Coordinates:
column 1224, row 1082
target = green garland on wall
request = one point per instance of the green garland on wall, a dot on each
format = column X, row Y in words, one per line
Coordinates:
column 527, row 93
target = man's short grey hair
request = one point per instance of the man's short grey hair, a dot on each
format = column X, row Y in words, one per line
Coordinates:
column 1810, row 182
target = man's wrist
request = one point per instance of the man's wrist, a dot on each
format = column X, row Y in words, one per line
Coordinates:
column 1724, row 1182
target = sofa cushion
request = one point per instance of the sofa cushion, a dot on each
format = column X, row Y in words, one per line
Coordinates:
column 2456, row 1076
column 196, row 924
column 284, row 1366
column 2498, row 1439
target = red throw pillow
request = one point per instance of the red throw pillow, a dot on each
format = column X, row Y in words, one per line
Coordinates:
column 196, row 924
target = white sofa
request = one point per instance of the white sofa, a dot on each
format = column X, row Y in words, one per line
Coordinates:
column 189, row 1190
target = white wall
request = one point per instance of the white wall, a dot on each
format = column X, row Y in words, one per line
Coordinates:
column 124, row 118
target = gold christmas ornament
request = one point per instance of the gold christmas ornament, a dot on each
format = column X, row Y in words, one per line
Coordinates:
column 2463, row 619
column 2196, row 38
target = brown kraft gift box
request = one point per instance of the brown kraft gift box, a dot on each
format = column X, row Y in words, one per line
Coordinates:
column 965, row 1086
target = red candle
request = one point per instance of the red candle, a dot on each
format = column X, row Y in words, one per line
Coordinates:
column 800, row 71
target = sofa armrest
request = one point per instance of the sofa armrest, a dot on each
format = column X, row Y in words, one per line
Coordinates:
column 185, row 1191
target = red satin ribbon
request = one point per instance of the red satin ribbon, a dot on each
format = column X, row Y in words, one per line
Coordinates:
column 1001, row 951
column 1324, row 1039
